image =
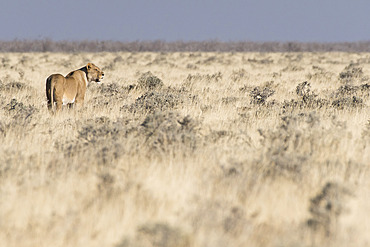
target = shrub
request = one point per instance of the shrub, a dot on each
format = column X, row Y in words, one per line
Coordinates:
column 290, row 148
column 347, row 102
column 351, row 90
column 160, row 234
column 148, row 81
column 327, row 206
column 166, row 131
column 307, row 99
column 20, row 112
column 100, row 139
column 351, row 72
column 14, row 86
column 259, row 95
column 167, row 99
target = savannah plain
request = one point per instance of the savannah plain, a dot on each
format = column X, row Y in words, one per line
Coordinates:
column 187, row 149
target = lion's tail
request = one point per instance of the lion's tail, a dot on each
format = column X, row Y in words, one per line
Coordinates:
column 50, row 85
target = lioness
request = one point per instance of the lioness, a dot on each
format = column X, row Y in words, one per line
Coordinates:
column 71, row 89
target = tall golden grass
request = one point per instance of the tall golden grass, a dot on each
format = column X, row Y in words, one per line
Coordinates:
column 208, row 149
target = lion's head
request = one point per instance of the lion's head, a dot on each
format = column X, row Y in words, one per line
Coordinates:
column 94, row 73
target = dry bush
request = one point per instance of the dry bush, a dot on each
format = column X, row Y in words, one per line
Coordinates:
column 107, row 92
column 351, row 90
column 348, row 96
column 112, row 90
column 304, row 90
column 348, row 102
column 259, row 95
column 326, row 208
column 307, row 99
column 351, row 73
column 291, row 148
column 160, row 234
column 168, row 131
column 15, row 87
column 148, row 81
column 155, row 101
column 20, row 113
column 100, row 140
column 160, row 100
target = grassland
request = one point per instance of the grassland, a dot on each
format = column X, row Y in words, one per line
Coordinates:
column 188, row 149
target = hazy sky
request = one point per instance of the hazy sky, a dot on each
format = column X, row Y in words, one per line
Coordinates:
column 171, row 20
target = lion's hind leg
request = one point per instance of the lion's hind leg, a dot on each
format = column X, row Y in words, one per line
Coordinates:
column 70, row 105
column 49, row 92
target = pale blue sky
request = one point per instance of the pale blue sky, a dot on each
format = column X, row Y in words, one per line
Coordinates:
column 191, row 20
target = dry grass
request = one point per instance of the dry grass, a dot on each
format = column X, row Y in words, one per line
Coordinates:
column 208, row 149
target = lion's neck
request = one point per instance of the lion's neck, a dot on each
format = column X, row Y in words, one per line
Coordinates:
column 84, row 69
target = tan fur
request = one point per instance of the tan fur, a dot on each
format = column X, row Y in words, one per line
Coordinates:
column 71, row 89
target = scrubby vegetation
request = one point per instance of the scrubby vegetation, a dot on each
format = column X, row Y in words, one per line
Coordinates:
column 48, row 45
column 187, row 149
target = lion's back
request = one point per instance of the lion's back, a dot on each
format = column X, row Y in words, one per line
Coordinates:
column 76, row 78
column 56, row 78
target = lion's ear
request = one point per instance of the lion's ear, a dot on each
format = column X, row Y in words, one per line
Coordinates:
column 88, row 66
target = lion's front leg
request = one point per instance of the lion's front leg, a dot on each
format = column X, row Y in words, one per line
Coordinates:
column 79, row 102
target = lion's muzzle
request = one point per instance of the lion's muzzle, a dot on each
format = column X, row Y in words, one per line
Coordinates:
column 98, row 80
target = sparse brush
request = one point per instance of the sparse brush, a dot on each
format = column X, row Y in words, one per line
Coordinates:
column 212, row 158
